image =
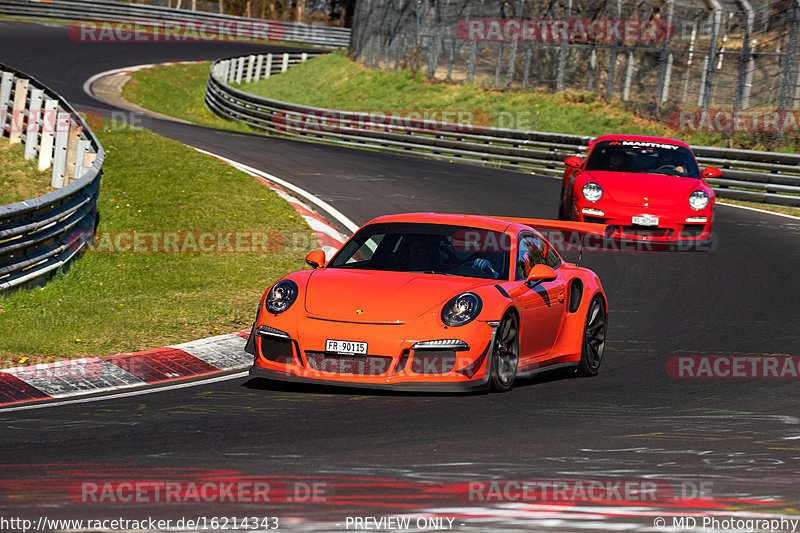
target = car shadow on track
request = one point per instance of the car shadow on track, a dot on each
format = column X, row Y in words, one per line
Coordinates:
column 257, row 383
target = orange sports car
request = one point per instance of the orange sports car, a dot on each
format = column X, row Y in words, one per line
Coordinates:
column 436, row 303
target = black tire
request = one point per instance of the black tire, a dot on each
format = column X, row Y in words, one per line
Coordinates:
column 505, row 354
column 594, row 337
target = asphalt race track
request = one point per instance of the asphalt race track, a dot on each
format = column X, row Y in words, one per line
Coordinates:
column 722, row 448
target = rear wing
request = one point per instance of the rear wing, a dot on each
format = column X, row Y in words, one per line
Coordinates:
column 569, row 226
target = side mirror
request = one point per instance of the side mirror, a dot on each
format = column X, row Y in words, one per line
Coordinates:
column 316, row 259
column 711, row 172
column 540, row 273
column 573, row 161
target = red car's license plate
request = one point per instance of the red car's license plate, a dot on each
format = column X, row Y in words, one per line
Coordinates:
column 348, row 347
column 645, row 221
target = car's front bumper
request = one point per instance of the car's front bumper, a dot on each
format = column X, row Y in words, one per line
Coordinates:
column 300, row 356
column 674, row 231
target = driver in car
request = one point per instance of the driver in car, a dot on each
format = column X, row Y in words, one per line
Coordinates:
column 422, row 255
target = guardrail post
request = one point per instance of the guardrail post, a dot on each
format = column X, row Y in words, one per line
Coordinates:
column 84, row 148
column 5, row 95
column 48, row 130
column 230, row 72
column 239, row 70
column 70, row 168
column 268, row 72
column 60, row 152
column 285, row 64
column 18, row 112
column 303, row 57
column 259, row 66
column 250, row 64
column 34, row 123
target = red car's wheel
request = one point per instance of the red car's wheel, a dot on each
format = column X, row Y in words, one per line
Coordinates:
column 594, row 338
column 505, row 354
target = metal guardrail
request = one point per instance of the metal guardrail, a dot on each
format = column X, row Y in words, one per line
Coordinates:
column 194, row 24
column 766, row 177
column 38, row 236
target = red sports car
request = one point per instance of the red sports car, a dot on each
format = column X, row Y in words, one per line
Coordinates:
column 650, row 188
column 436, row 303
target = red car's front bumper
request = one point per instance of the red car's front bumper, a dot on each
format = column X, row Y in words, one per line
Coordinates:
column 677, row 229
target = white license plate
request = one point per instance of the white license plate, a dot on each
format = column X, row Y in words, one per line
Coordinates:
column 645, row 221
column 349, row 347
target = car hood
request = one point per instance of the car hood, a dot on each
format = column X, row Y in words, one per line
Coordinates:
column 632, row 188
column 369, row 296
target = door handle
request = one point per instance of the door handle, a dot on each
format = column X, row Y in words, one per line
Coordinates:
column 561, row 295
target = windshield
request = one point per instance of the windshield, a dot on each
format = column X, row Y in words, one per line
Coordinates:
column 427, row 248
column 644, row 158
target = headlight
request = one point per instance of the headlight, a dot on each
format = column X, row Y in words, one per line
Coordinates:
column 592, row 191
column 698, row 200
column 462, row 309
column 281, row 296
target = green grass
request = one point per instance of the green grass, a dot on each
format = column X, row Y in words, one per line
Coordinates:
column 176, row 91
column 20, row 179
column 334, row 81
column 109, row 303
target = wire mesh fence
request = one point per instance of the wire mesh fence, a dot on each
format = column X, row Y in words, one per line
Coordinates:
column 718, row 65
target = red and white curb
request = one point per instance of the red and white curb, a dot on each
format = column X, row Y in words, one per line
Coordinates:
column 204, row 357
column 63, row 379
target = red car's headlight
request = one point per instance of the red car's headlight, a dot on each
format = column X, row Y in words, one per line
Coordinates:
column 592, row 191
column 698, row 200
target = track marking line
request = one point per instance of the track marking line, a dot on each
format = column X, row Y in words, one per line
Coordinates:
column 722, row 202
